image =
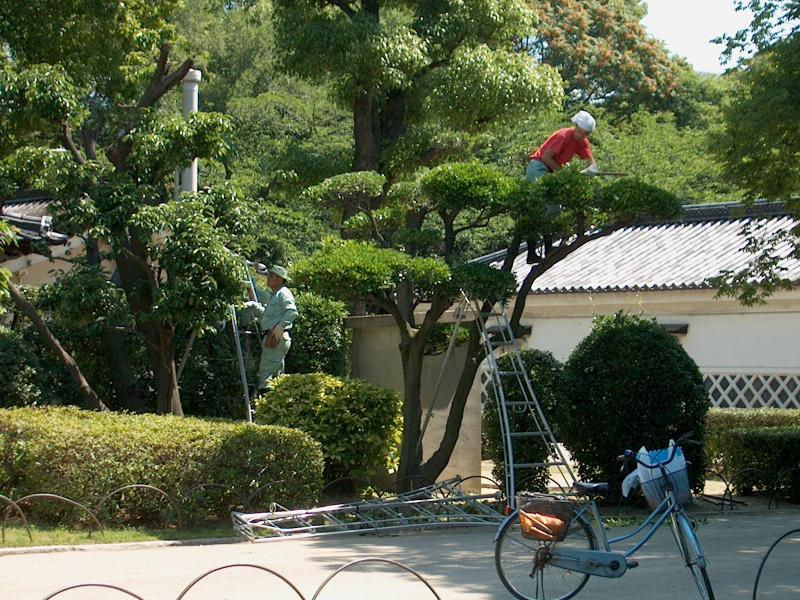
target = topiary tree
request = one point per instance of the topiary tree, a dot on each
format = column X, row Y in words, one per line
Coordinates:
column 357, row 424
column 629, row 383
column 409, row 263
column 320, row 341
column 547, row 378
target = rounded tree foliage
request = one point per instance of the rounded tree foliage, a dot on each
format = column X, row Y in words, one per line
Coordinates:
column 627, row 199
column 627, row 384
column 320, row 341
column 547, row 378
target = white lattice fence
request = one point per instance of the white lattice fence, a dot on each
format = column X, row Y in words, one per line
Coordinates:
column 753, row 390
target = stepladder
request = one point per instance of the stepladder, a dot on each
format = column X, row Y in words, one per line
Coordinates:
column 533, row 458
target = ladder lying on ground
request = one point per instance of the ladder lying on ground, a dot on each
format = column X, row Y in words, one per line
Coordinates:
column 440, row 504
column 496, row 333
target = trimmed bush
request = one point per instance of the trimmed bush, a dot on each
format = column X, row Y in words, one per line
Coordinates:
column 765, row 453
column 547, row 378
column 320, row 341
column 85, row 455
column 358, row 424
column 720, row 421
column 629, row 383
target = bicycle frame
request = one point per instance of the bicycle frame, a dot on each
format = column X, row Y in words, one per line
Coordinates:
column 660, row 513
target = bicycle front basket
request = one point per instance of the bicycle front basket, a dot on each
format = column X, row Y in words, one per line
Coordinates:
column 655, row 490
column 544, row 518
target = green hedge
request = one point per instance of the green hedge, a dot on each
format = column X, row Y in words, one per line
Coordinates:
column 85, row 455
column 768, row 451
column 720, row 421
column 547, row 378
column 358, row 424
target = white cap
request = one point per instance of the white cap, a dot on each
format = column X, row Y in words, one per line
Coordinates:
column 584, row 120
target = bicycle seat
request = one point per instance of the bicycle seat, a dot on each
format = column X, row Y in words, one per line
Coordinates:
column 589, row 489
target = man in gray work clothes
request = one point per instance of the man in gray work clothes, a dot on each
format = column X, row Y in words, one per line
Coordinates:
column 278, row 311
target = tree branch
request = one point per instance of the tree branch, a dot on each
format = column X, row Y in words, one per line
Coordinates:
column 556, row 255
column 162, row 80
column 346, row 8
column 87, row 393
column 392, row 308
column 66, row 138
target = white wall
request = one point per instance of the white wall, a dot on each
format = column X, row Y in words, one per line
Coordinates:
column 722, row 336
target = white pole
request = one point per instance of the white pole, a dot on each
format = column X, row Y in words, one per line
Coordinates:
column 189, row 88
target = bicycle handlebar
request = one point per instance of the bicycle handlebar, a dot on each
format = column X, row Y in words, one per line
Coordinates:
column 682, row 441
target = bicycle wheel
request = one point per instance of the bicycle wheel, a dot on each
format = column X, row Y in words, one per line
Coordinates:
column 522, row 562
column 693, row 554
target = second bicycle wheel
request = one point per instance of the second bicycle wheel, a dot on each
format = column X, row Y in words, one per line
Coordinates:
column 522, row 562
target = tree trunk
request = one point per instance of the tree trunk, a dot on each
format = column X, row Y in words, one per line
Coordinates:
column 139, row 284
column 393, row 120
column 120, row 372
column 366, row 130
column 411, row 449
column 87, row 393
column 169, row 399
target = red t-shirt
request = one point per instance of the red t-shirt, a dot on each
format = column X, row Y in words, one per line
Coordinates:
column 564, row 147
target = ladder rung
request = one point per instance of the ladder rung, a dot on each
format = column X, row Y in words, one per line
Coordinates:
column 497, row 329
column 498, row 343
column 539, row 465
column 530, row 433
column 509, row 373
column 520, row 403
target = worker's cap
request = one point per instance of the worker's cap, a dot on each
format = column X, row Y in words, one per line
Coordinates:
column 279, row 271
column 584, row 120
column 260, row 268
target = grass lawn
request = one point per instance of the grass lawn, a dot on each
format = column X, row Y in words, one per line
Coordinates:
column 17, row 536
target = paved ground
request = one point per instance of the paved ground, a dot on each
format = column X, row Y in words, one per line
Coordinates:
column 457, row 563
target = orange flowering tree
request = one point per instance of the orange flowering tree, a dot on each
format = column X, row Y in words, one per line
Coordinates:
column 604, row 54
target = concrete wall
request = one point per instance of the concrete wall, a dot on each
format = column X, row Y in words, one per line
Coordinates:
column 375, row 357
column 35, row 269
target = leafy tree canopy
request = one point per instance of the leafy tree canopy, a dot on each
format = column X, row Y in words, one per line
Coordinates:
column 105, row 46
column 411, row 71
column 759, row 148
column 772, row 21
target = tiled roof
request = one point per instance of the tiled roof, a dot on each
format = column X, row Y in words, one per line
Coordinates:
column 669, row 256
column 29, row 214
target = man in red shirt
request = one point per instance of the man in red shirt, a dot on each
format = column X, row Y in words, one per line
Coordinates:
column 560, row 147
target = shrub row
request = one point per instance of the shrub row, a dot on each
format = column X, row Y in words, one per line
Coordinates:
column 358, row 424
column 85, row 455
column 719, row 421
column 756, row 457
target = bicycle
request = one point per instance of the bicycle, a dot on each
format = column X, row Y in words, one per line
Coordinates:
column 535, row 562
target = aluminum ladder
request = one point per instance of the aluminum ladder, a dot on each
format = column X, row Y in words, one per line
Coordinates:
column 238, row 332
column 442, row 504
column 497, row 336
